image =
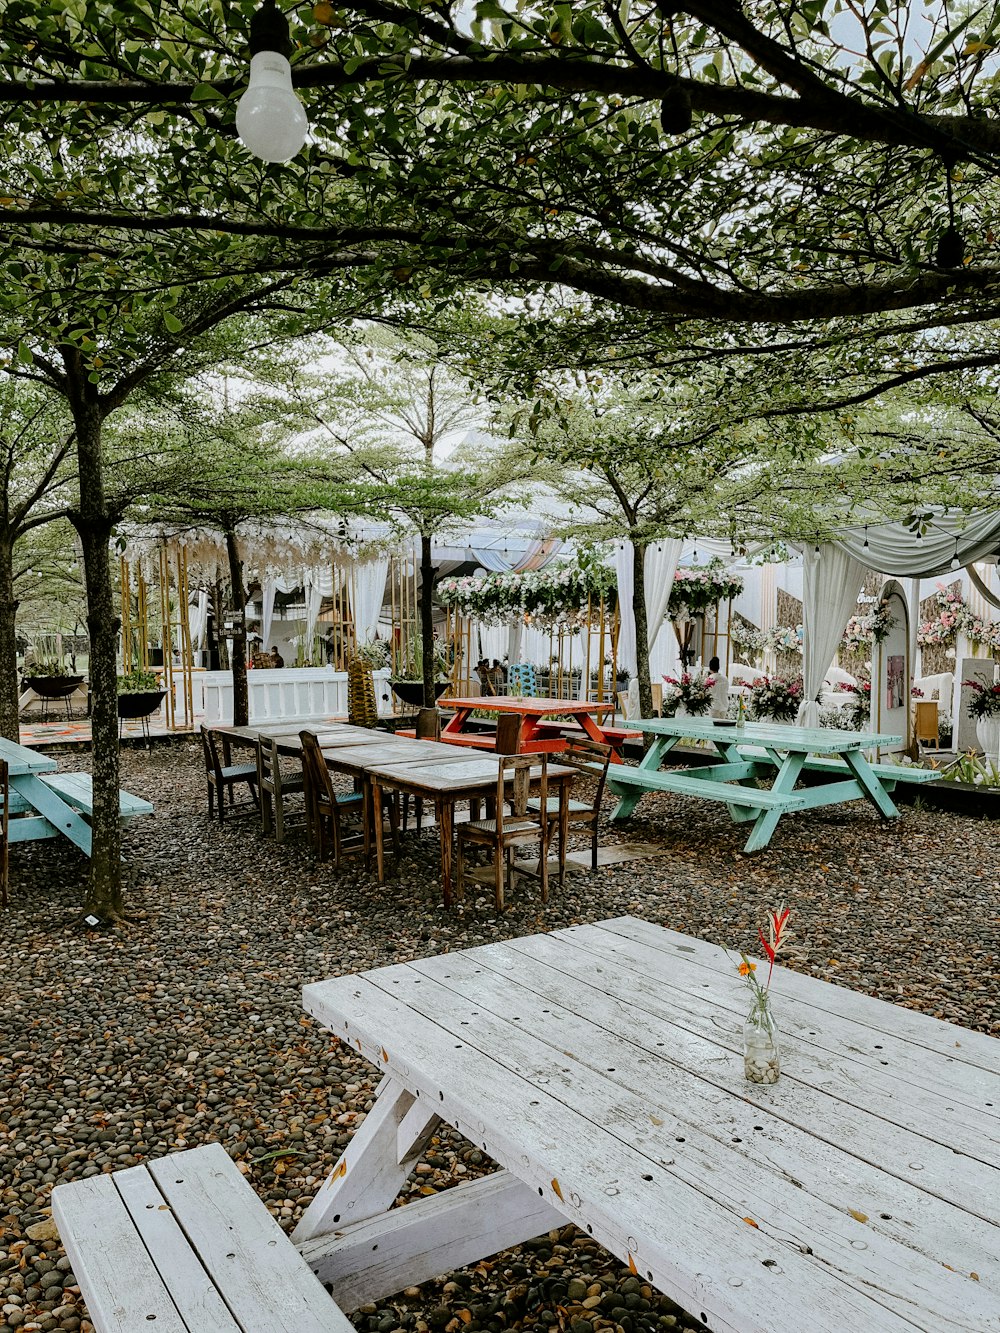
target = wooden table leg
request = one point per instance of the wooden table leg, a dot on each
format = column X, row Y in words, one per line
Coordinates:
column 445, row 812
column 376, row 800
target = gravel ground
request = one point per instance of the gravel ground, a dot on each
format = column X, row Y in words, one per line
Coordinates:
column 186, row 1026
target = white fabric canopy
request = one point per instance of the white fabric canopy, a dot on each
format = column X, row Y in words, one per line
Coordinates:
column 893, row 548
column 659, row 568
column 831, row 582
column 537, row 555
column 369, row 590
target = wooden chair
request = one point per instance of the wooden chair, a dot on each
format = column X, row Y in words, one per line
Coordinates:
column 509, row 733
column 428, row 728
column 591, row 760
column 273, row 786
column 222, row 776
column 505, row 832
column 4, row 831
column 925, row 728
column 327, row 808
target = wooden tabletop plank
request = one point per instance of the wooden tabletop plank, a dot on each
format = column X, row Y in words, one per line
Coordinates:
column 957, row 1044
column 22, row 759
column 812, row 740
column 944, row 1100
column 530, row 707
column 622, row 1076
column 645, row 1199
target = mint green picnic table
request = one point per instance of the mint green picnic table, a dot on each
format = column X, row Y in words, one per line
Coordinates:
column 47, row 804
column 835, row 761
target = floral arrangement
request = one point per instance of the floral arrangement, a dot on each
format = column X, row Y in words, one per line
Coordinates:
column 858, row 705
column 783, row 639
column 916, row 692
column 761, row 1057
column 951, row 617
column 776, row 698
column 695, row 590
column 986, row 632
column 984, row 701
column 560, row 594
column 771, row 944
column 375, row 654
column 747, row 639
column 693, row 689
column 864, row 630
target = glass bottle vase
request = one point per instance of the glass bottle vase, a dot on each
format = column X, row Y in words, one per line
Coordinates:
column 761, row 1049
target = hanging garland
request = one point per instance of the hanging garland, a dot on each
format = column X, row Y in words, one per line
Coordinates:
column 559, row 595
column 695, row 591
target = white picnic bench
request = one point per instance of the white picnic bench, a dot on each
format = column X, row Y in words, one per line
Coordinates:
column 184, row 1245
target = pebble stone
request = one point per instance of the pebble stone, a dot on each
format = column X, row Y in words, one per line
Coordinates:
column 185, row 1026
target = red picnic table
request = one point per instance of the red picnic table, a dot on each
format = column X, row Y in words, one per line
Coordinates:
column 537, row 734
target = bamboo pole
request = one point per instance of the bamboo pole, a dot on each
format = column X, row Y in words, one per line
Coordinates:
column 126, row 616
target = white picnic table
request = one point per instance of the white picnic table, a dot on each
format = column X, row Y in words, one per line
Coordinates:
column 601, row 1067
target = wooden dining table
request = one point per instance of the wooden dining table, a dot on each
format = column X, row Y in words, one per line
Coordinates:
column 445, row 781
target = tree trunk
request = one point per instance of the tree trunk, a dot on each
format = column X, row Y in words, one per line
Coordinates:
column 427, row 619
column 9, row 694
column 94, row 525
column 641, row 628
column 241, row 693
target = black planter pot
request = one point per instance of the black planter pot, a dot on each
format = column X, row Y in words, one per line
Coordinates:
column 412, row 691
column 53, row 687
column 140, row 703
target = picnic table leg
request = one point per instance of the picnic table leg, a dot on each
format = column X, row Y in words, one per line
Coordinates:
column 871, row 784
column 592, row 728
column 375, row 1164
column 376, row 800
column 456, row 723
column 50, row 804
column 767, row 821
column 446, row 819
column 651, row 760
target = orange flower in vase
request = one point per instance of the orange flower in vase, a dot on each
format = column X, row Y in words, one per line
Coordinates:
column 761, row 1049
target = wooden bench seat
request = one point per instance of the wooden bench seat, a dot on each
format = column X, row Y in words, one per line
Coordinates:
column 668, row 780
column 886, row 773
column 77, row 790
column 184, row 1245
column 614, row 736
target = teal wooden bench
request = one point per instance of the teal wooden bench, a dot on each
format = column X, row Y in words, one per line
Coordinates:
column 683, row 784
column 888, row 774
column 76, row 789
column 184, row 1245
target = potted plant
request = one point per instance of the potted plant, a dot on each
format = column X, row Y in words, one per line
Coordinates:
column 51, row 680
column 407, row 680
column 139, row 694
column 984, row 706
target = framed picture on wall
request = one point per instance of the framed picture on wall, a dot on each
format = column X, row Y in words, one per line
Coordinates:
column 894, row 681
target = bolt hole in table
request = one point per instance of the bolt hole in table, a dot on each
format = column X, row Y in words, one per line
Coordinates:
column 834, row 762
column 601, row 1067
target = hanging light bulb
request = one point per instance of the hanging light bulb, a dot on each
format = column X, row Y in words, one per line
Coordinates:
column 955, row 562
column 866, row 537
column 270, row 119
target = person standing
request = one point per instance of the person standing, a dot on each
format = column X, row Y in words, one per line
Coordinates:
column 720, row 689
column 276, row 659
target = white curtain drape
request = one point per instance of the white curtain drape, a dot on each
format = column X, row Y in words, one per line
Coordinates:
column 894, row 548
column 369, row 593
column 314, row 604
column 831, row 582
column 537, row 555
column 514, row 633
column 267, row 612
column 493, row 641
column 198, row 620
column 659, row 568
